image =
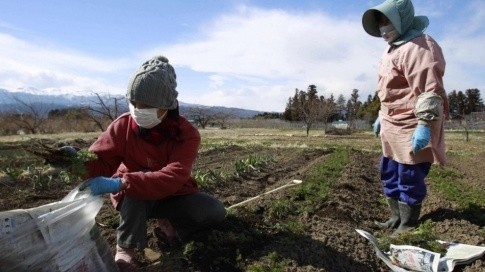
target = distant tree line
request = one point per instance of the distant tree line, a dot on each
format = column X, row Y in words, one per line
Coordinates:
column 305, row 106
column 309, row 107
column 204, row 117
column 464, row 103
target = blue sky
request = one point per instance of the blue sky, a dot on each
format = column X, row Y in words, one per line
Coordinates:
column 248, row 54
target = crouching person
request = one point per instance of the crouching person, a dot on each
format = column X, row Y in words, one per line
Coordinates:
column 145, row 159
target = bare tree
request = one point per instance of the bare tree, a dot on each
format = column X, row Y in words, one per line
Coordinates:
column 308, row 107
column 221, row 118
column 104, row 108
column 465, row 122
column 328, row 109
column 30, row 116
column 202, row 116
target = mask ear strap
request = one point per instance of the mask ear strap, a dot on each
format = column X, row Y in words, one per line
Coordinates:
column 164, row 115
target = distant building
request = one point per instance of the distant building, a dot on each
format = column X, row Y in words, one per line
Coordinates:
column 340, row 124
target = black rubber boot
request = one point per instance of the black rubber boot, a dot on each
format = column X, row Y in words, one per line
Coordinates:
column 409, row 217
column 393, row 221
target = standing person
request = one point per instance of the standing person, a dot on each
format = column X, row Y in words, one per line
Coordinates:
column 145, row 159
column 413, row 109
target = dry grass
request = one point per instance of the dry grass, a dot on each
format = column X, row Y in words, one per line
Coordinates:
column 455, row 142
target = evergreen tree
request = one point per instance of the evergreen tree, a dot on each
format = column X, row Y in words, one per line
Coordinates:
column 461, row 103
column 453, row 103
column 474, row 101
column 353, row 107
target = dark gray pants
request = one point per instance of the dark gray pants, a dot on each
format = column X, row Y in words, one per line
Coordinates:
column 186, row 213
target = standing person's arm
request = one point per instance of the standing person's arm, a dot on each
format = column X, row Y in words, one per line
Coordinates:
column 425, row 67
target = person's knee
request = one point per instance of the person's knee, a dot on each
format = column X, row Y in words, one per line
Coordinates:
column 219, row 212
column 133, row 208
column 214, row 213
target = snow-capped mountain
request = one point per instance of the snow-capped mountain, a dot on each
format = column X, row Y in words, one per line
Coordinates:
column 12, row 101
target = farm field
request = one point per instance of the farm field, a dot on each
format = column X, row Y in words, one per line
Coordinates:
column 306, row 227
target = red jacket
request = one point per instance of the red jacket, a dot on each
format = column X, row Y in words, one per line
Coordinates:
column 153, row 169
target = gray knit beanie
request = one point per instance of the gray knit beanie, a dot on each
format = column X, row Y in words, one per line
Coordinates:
column 154, row 84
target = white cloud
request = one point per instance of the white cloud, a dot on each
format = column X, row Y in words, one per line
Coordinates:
column 216, row 81
column 255, row 58
column 43, row 67
column 249, row 98
column 463, row 49
column 275, row 45
column 300, row 49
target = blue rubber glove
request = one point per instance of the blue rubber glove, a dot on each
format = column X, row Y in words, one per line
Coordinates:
column 421, row 137
column 102, row 185
column 69, row 150
column 377, row 127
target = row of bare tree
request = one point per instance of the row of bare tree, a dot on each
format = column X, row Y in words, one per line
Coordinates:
column 96, row 115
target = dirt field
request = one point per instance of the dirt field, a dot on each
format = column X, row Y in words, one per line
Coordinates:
column 274, row 233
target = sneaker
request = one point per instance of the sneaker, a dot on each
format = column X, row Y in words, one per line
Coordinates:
column 125, row 259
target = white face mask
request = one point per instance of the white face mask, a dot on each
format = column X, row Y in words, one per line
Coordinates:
column 389, row 33
column 146, row 118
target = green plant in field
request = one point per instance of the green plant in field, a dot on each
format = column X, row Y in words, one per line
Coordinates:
column 448, row 182
column 77, row 167
column 272, row 263
column 201, row 178
column 239, row 260
column 205, row 179
column 39, row 181
column 13, row 172
column 317, row 186
column 254, row 162
column 215, row 145
column 72, row 163
column 189, row 249
column 281, row 208
column 291, row 226
column 65, row 177
column 469, row 198
column 423, row 237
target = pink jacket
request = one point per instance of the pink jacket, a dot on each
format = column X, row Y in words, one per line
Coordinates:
column 405, row 73
column 152, row 171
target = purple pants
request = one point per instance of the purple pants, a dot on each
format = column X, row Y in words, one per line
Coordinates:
column 404, row 181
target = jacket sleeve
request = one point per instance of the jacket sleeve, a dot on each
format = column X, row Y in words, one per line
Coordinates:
column 429, row 106
column 425, row 68
column 109, row 148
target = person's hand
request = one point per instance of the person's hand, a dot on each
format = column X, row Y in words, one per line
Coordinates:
column 68, row 150
column 421, row 137
column 102, row 185
column 377, row 127
column 61, row 157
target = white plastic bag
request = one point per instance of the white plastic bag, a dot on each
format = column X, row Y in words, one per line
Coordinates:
column 60, row 236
